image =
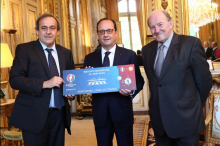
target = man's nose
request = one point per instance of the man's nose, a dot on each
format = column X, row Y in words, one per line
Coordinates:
column 105, row 33
column 157, row 29
column 48, row 30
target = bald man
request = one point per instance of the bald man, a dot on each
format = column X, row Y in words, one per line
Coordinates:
column 179, row 81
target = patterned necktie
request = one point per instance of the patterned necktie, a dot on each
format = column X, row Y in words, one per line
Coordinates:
column 160, row 59
column 58, row 97
column 106, row 61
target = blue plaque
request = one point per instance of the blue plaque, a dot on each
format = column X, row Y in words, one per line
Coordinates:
column 99, row 80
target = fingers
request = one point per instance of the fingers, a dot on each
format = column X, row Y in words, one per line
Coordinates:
column 70, row 96
column 125, row 92
column 89, row 67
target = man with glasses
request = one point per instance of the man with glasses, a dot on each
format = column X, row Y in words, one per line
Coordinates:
column 112, row 112
column 41, row 110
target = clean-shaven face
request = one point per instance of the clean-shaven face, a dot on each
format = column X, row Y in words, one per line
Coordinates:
column 206, row 45
column 160, row 27
column 107, row 40
column 48, row 32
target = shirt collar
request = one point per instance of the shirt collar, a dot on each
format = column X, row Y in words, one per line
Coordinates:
column 167, row 42
column 112, row 50
column 45, row 47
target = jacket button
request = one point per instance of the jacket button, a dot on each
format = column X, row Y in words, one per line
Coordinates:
column 106, row 100
column 159, row 85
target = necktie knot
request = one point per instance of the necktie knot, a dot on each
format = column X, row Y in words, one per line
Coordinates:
column 161, row 47
column 107, row 53
column 49, row 50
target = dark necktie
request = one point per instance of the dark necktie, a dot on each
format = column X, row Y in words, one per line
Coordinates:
column 58, row 97
column 160, row 59
column 106, row 61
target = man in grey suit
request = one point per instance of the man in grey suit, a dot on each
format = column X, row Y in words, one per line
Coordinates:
column 179, row 80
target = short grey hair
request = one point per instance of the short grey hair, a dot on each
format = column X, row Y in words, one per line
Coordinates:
column 166, row 14
column 45, row 16
column 207, row 43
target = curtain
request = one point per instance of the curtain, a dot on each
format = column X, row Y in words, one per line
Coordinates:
column 142, row 13
column 140, row 20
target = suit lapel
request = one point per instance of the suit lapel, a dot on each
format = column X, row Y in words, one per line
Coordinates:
column 118, row 56
column 170, row 53
column 98, row 58
column 40, row 52
column 61, row 57
column 153, row 57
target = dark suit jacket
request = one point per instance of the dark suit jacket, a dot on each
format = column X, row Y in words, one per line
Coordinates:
column 29, row 71
column 120, row 106
column 139, row 60
column 179, row 95
column 209, row 52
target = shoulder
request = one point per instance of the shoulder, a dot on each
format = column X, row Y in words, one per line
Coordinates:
column 125, row 50
column 27, row 45
column 94, row 53
column 188, row 39
column 150, row 45
column 63, row 48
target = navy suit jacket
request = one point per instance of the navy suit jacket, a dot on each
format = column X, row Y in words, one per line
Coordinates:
column 29, row 71
column 179, row 95
column 119, row 106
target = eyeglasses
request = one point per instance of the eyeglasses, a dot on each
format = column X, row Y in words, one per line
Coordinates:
column 109, row 31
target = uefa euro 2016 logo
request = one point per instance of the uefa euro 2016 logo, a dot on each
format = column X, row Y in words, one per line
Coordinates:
column 70, row 77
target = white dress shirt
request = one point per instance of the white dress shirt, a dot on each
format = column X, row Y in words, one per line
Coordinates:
column 110, row 56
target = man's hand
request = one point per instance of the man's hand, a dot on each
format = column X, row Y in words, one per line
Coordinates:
column 89, row 67
column 54, row 82
column 70, row 97
column 125, row 92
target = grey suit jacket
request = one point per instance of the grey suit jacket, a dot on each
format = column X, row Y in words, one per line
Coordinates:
column 178, row 96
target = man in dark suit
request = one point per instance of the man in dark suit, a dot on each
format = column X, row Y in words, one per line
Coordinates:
column 40, row 109
column 208, row 50
column 179, row 81
column 112, row 112
column 139, row 58
column 215, row 48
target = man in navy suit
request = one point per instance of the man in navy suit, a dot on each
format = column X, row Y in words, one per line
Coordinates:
column 113, row 112
column 40, row 110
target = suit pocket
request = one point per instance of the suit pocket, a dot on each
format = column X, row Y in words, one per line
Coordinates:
column 23, row 100
column 186, row 103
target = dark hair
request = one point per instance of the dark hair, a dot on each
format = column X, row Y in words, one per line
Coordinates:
column 138, row 51
column 113, row 21
column 166, row 14
column 215, row 43
column 44, row 16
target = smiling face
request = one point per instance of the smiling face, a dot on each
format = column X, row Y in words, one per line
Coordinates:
column 107, row 40
column 160, row 27
column 48, row 32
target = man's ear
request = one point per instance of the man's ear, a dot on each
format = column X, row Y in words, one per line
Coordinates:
column 37, row 32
